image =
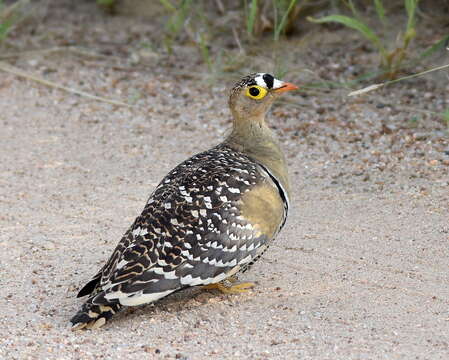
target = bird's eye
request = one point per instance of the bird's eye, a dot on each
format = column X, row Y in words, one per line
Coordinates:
column 256, row 92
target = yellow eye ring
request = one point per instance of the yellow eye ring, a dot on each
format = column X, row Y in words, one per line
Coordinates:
column 256, row 92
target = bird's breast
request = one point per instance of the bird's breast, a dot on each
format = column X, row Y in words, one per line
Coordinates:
column 263, row 207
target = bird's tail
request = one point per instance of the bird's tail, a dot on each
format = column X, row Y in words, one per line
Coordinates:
column 93, row 316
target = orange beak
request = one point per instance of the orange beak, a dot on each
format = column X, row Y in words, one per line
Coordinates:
column 286, row 87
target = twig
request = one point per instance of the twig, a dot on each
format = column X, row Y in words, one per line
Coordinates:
column 18, row 72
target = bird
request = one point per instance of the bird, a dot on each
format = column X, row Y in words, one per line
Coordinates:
column 208, row 220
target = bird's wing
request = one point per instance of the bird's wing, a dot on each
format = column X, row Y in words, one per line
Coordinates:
column 208, row 218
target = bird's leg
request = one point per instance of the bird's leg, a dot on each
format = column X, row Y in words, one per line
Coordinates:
column 226, row 286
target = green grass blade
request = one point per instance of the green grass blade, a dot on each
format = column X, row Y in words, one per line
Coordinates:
column 5, row 27
column 353, row 9
column 380, row 10
column 106, row 3
column 353, row 24
column 205, row 52
column 168, row 5
column 251, row 20
column 7, row 18
column 410, row 7
column 280, row 27
column 434, row 48
column 176, row 22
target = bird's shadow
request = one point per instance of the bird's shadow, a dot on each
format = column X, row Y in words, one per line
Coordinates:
column 183, row 300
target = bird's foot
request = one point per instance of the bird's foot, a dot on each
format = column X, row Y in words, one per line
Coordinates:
column 231, row 289
column 92, row 325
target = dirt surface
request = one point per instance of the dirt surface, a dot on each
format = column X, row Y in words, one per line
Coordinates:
column 360, row 270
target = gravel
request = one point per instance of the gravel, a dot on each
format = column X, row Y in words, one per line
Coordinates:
column 359, row 272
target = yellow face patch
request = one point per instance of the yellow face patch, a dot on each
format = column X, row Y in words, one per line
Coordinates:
column 256, row 92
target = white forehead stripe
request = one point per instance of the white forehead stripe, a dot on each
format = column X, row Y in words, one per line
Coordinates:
column 261, row 82
column 277, row 84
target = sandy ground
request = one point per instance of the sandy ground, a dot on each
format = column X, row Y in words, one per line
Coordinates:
column 359, row 272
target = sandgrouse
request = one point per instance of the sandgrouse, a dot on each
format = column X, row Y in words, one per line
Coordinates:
column 210, row 218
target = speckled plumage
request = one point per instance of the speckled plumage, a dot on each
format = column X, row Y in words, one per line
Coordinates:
column 211, row 217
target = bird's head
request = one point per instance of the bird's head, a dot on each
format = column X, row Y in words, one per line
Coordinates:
column 252, row 96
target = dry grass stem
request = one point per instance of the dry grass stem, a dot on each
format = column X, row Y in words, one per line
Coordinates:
column 18, row 72
column 237, row 40
column 366, row 89
column 377, row 86
column 74, row 49
column 9, row 10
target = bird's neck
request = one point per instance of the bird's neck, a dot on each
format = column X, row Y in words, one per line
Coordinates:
column 254, row 138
